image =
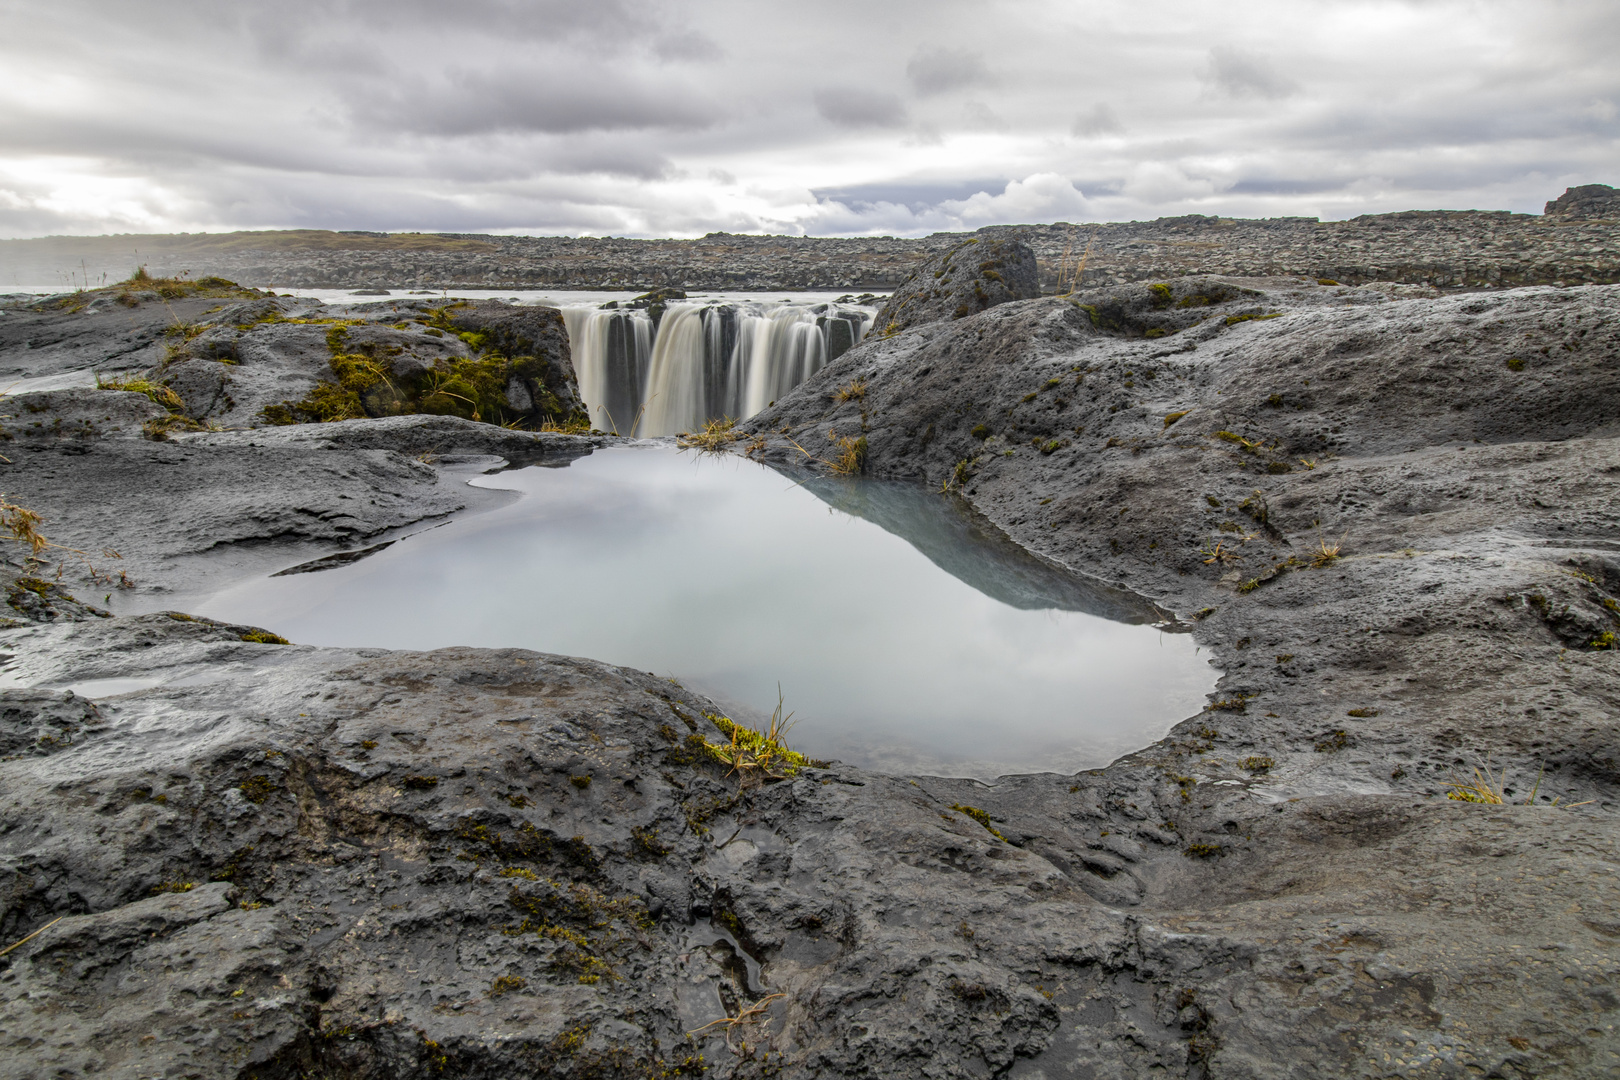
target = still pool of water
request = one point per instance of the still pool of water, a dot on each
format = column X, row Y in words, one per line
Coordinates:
column 905, row 634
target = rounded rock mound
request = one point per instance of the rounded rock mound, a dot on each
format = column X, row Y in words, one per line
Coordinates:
column 961, row 281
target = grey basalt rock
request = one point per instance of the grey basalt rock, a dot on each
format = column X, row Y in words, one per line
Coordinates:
column 963, row 280
column 380, row 845
column 1586, row 201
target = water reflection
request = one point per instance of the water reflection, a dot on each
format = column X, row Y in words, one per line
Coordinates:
column 969, row 548
column 906, row 635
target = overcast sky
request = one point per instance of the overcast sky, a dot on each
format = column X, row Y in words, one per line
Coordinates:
column 671, row 118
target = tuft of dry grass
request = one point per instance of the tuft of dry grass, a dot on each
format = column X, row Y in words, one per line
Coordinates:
column 715, row 436
column 851, row 456
column 1066, row 278
column 22, row 524
column 1325, row 553
column 1486, row 787
column 854, row 390
column 1218, row 553
column 750, row 1015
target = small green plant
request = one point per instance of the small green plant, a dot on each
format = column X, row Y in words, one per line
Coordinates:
column 1335, row 741
column 256, row 789
column 1204, row 851
column 506, row 984
column 1171, row 418
column 980, row 816
column 1362, row 714
column 757, row 756
column 1233, row 320
column 174, row 887
column 1258, row 763
column 580, row 782
column 1605, row 640
column 157, row 392
column 419, row 783
column 265, row 637
column 981, row 432
column 1515, row 364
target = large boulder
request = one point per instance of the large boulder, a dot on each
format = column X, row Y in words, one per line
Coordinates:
column 1586, row 201
column 964, row 280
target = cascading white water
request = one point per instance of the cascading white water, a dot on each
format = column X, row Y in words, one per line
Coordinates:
column 701, row 361
column 611, row 350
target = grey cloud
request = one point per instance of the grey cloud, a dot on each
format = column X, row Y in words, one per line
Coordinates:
column 687, row 45
column 1100, row 119
column 856, row 108
column 559, row 99
column 935, row 71
column 1238, row 73
column 1263, row 186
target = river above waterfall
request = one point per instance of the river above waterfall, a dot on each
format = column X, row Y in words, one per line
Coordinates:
column 905, row 633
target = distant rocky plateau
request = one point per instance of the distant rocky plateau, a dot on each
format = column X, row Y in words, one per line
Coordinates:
column 1372, row 467
column 1574, row 242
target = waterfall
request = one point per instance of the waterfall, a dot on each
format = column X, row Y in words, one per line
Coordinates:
column 701, row 361
column 612, row 351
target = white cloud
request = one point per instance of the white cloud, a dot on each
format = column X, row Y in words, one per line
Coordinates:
column 634, row 116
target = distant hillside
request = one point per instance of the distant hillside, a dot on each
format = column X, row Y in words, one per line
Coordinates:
column 1576, row 242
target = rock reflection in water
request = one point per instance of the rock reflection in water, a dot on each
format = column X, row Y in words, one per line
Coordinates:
column 969, row 548
column 906, row 634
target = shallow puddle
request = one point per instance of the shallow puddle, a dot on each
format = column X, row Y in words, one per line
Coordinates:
column 905, row 634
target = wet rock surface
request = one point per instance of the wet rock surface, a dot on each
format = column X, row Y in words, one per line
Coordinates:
column 274, row 860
